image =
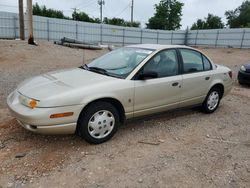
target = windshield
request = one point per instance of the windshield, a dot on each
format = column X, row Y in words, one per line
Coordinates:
column 119, row 63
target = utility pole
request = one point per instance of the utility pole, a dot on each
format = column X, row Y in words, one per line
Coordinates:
column 101, row 3
column 30, row 20
column 21, row 20
column 132, row 12
column 74, row 11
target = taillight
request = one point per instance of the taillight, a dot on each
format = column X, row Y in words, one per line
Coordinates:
column 230, row 74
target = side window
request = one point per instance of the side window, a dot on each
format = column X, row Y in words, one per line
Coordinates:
column 165, row 63
column 192, row 61
column 207, row 64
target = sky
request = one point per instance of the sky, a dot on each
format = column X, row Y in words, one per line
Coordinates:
column 143, row 9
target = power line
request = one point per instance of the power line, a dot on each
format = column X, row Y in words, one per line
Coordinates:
column 75, row 9
column 123, row 10
column 106, row 12
column 4, row 5
column 88, row 4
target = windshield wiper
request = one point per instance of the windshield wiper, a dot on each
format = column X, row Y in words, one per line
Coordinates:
column 94, row 69
column 98, row 70
column 85, row 67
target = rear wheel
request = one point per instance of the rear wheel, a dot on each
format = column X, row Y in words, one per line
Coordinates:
column 98, row 122
column 212, row 100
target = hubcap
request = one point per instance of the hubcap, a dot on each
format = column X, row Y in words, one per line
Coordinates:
column 101, row 124
column 213, row 100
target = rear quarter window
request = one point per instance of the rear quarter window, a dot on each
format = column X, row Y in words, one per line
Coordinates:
column 207, row 64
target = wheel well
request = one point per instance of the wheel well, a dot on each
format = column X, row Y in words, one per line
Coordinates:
column 114, row 102
column 220, row 87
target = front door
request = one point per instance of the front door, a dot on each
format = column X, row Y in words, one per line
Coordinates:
column 160, row 93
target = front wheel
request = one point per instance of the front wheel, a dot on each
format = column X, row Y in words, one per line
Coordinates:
column 212, row 100
column 98, row 122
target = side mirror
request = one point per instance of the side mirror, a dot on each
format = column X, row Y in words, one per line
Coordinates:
column 148, row 75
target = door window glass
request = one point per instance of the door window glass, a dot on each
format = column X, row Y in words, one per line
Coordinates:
column 165, row 64
column 192, row 61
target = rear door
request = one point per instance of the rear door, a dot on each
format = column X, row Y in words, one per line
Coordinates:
column 161, row 93
column 196, row 75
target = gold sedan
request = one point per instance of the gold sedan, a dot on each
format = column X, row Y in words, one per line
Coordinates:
column 94, row 99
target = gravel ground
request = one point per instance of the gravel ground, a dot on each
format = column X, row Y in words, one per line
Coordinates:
column 183, row 148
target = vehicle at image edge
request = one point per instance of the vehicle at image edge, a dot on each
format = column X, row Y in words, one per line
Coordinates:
column 244, row 74
column 94, row 99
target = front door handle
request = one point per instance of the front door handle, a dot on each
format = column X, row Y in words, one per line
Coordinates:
column 175, row 84
column 207, row 78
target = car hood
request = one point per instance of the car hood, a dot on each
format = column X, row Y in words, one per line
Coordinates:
column 61, row 85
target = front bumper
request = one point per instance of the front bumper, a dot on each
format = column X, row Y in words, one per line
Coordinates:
column 244, row 77
column 38, row 119
column 69, row 128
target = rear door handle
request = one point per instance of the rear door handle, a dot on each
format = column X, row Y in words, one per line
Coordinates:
column 175, row 84
column 207, row 78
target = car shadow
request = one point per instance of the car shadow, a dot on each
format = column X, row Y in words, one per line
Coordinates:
column 161, row 117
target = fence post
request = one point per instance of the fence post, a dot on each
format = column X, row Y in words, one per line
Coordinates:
column 141, row 35
column 217, row 37
column 123, row 37
column 196, row 37
column 48, row 29
column 172, row 34
column 76, row 31
column 157, row 37
column 186, row 37
column 101, row 33
column 242, row 40
column 14, row 25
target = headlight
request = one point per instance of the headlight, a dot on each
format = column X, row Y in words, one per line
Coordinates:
column 32, row 103
column 242, row 68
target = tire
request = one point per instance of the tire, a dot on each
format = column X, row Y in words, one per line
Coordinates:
column 212, row 101
column 240, row 82
column 98, row 122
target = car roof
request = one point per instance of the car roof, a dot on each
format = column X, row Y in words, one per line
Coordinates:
column 158, row 46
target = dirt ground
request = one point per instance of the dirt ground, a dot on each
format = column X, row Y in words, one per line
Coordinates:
column 188, row 148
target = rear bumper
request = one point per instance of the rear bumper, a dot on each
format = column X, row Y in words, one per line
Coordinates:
column 244, row 77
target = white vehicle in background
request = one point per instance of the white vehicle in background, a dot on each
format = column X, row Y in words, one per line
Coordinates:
column 94, row 99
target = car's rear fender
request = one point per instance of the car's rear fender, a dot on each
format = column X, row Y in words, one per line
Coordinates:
column 223, row 82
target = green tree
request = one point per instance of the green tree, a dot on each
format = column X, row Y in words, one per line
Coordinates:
column 210, row 22
column 43, row 11
column 240, row 17
column 167, row 16
column 80, row 16
column 114, row 21
column 120, row 22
